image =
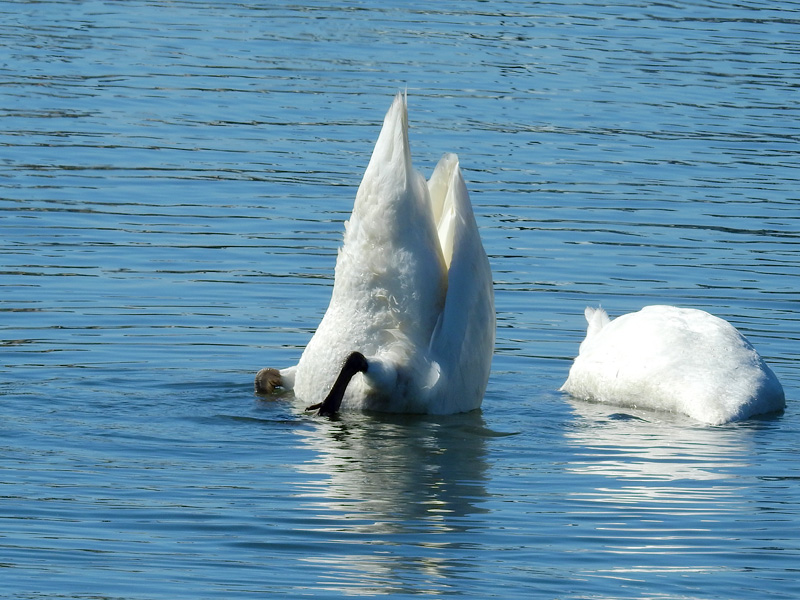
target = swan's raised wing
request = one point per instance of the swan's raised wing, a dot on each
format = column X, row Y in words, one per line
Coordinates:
column 390, row 280
column 463, row 340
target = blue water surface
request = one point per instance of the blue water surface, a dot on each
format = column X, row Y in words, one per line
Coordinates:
column 174, row 178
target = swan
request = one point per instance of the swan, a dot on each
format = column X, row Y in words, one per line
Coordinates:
column 410, row 326
column 674, row 359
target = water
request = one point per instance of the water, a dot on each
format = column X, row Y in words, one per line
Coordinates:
column 173, row 181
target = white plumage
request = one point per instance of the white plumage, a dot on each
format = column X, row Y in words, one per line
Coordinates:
column 673, row 359
column 412, row 292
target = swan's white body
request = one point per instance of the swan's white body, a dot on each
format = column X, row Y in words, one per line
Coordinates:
column 673, row 359
column 412, row 291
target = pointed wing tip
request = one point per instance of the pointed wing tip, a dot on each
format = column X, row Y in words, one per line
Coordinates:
column 400, row 100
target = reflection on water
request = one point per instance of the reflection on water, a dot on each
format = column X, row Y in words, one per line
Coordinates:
column 668, row 496
column 649, row 447
column 173, row 181
column 387, row 481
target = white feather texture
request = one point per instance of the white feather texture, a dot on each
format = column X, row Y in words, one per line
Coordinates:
column 412, row 291
column 673, row 359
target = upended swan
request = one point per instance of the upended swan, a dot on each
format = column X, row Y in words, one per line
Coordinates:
column 673, row 359
column 411, row 324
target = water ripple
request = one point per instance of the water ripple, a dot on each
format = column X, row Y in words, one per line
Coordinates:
column 174, row 178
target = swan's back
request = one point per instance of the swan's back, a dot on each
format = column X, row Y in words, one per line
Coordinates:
column 390, row 273
column 390, row 277
column 674, row 359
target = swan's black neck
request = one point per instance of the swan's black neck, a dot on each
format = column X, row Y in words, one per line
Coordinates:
column 355, row 363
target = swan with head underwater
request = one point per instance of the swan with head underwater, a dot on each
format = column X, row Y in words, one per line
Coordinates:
column 411, row 324
column 673, row 359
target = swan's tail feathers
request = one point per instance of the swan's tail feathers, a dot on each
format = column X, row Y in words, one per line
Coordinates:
column 596, row 318
column 463, row 340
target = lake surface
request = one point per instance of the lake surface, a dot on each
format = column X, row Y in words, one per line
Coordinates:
column 174, row 178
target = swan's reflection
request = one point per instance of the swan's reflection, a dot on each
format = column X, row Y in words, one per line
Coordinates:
column 656, row 487
column 390, row 483
column 650, row 446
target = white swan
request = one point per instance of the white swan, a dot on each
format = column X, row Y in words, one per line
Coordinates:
column 410, row 326
column 674, row 359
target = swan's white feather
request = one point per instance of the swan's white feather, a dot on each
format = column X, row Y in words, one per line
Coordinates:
column 673, row 359
column 467, row 322
column 412, row 291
